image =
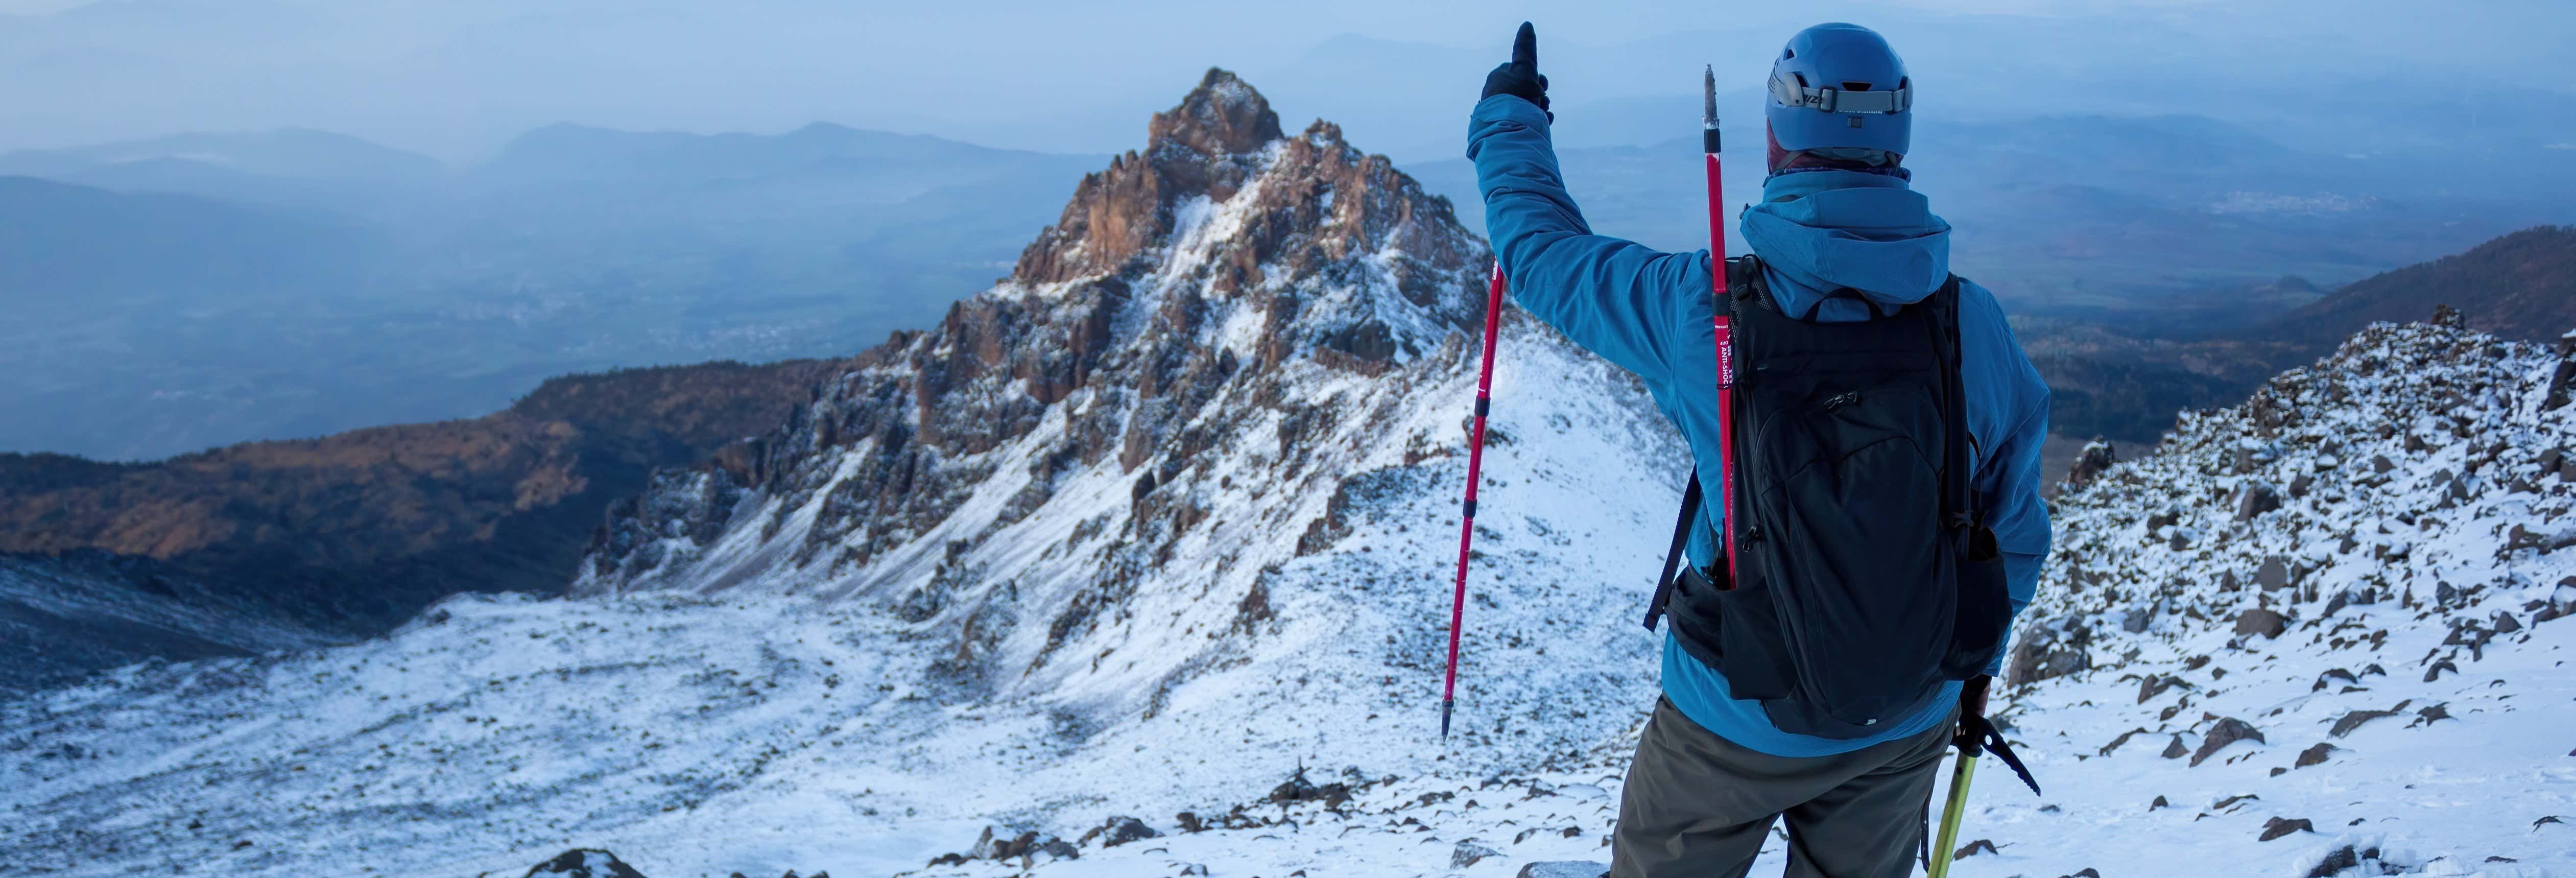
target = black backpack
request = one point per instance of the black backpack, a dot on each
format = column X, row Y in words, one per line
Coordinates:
column 1868, row 574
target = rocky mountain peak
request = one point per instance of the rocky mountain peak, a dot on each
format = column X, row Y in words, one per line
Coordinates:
column 1197, row 298
column 1198, row 157
column 1222, row 116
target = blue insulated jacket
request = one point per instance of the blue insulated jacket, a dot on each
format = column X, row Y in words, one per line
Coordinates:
column 1650, row 312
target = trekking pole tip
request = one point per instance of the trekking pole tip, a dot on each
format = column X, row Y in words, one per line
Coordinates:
column 1708, row 96
column 1445, row 704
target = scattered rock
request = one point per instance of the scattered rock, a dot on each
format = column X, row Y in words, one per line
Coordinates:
column 2536, row 824
column 2314, row 755
column 2260, row 621
column 2048, row 651
column 2274, row 574
column 2159, row 803
column 1973, row 848
column 2256, row 498
column 2086, row 872
column 2229, row 730
column 1468, row 853
column 2108, row 749
column 1299, row 789
column 2277, row 827
column 2151, row 687
column 585, row 863
column 1121, row 830
column 2344, row 725
column 2335, row 674
column 2429, row 715
column 2339, row 859
column 2175, row 750
column 2435, row 672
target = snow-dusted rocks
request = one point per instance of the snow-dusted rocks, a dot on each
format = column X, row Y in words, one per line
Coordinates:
column 2333, row 561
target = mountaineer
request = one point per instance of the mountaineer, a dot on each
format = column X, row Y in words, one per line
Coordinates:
column 1887, row 432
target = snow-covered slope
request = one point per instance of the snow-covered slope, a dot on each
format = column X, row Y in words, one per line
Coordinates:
column 61, row 616
column 2390, row 697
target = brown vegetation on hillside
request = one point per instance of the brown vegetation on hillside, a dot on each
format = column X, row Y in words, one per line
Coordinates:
column 2520, row 286
column 359, row 529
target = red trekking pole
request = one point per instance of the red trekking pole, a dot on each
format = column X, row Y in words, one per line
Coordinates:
column 1475, row 467
column 1725, row 349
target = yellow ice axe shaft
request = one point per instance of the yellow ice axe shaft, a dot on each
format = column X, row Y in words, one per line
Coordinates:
column 1947, row 840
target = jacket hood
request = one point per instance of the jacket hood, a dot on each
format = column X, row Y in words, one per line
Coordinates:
column 1820, row 231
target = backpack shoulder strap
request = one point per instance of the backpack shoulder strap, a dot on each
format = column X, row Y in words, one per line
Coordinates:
column 1958, row 508
column 1673, row 556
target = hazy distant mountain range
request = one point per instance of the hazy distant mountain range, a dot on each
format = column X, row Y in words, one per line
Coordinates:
column 2159, row 222
column 197, row 290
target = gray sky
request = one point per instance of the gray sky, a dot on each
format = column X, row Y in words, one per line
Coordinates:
column 457, row 78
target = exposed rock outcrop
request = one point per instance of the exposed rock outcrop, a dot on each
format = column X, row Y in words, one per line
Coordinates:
column 1201, row 307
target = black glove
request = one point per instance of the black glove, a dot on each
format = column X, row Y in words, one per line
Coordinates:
column 1520, row 77
column 1972, row 703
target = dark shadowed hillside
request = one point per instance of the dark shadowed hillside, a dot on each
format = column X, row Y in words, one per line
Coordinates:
column 2520, row 286
column 2126, row 382
column 353, row 532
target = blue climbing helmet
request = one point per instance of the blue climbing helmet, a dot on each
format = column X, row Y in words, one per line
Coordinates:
column 1838, row 91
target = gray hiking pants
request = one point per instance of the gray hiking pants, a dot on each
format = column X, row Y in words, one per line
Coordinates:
column 1697, row 805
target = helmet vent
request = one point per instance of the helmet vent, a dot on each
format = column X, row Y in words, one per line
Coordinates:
column 1788, row 53
column 1849, row 85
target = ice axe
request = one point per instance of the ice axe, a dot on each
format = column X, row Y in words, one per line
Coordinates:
column 1976, row 734
column 1475, row 466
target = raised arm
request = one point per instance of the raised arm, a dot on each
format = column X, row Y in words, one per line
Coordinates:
column 1623, row 300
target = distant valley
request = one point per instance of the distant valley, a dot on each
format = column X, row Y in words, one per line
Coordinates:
column 195, row 291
